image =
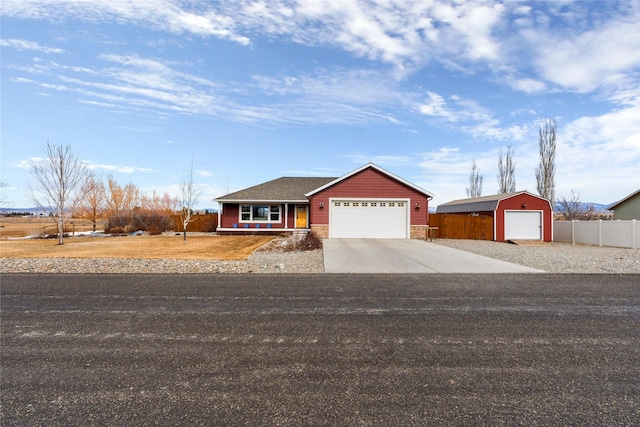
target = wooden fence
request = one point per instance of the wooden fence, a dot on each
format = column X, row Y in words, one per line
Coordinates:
column 199, row 223
column 462, row 226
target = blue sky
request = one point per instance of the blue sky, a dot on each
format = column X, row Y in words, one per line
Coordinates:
column 255, row 90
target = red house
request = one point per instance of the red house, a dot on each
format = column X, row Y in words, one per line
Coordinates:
column 367, row 202
column 516, row 216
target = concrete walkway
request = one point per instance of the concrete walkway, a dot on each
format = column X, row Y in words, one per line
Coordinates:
column 408, row 256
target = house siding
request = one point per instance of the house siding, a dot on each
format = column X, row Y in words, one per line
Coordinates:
column 368, row 184
column 629, row 209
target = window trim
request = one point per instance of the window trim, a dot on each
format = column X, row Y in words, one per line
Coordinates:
column 251, row 209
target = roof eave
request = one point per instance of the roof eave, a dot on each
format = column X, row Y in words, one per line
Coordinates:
column 621, row 201
column 260, row 201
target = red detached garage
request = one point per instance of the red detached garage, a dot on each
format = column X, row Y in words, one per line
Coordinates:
column 516, row 216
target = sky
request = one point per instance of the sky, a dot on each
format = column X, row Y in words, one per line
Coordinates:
column 253, row 90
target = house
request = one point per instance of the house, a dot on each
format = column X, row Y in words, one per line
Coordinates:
column 516, row 216
column 627, row 208
column 367, row 202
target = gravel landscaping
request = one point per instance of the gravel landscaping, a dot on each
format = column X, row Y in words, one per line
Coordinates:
column 555, row 257
column 550, row 257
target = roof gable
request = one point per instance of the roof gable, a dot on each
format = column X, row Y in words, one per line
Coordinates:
column 367, row 166
column 619, row 202
column 286, row 189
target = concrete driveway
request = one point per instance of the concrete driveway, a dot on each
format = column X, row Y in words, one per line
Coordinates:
column 408, row 256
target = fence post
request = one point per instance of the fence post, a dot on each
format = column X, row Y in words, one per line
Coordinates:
column 573, row 231
column 634, row 224
column 599, row 232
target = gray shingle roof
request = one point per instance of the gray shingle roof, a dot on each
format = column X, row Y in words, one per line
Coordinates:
column 286, row 189
column 475, row 204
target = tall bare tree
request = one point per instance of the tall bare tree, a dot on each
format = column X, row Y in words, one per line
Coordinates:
column 475, row 181
column 59, row 176
column 506, row 171
column 546, row 169
column 93, row 206
column 190, row 195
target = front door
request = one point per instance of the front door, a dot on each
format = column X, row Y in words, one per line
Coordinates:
column 301, row 216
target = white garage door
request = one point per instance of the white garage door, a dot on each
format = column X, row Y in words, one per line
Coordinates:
column 523, row 225
column 369, row 219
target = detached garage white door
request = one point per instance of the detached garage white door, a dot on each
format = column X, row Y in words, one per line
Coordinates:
column 523, row 225
column 369, row 219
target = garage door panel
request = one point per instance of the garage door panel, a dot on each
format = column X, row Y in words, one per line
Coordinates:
column 373, row 219
column 524, row 225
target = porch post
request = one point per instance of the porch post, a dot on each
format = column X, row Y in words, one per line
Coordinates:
column 286, row 215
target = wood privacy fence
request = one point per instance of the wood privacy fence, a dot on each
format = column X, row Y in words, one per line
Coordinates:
column 199, row 223
column 462, row 226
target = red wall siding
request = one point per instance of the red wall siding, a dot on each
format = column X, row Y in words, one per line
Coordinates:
column 291, row 222
column 533, row 204
column 231, row 215
column 369, row 183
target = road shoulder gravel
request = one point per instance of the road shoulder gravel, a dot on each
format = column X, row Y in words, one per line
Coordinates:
column 549, row 257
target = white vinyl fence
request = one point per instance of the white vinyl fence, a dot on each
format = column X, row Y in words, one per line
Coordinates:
column 625, row 234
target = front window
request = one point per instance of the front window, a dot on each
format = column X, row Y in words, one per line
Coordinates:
column 260, row 213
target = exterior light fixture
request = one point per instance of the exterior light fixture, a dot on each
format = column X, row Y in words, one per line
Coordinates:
column 321, row 205
column 524, row 206
column 417, row 205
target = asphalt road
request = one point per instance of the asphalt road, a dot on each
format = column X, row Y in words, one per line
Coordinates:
column 468, row 350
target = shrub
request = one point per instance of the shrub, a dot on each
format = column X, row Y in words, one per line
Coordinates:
column 309, row 242
column 151, row 222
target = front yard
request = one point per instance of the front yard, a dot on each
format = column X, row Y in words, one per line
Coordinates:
column 148, row 247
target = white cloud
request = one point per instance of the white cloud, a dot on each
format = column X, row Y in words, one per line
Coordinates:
column 471, row 118
column 356, row 86
column 604, row 56
column 157, row 14
column 612, row 142
column 118, row 168
column 528, row 85
column 28, row 45
column 435, row 105
column 204, row 174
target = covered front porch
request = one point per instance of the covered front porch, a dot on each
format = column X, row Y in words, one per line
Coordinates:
column 263, row 217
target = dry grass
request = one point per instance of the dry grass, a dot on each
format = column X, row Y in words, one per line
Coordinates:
column 148, row 247
column 34, row 226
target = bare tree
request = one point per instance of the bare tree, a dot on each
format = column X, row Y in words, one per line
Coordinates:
column 546, row 169
column 94, row 203
column 3, row 196
column 506, row 171
column 190, row 194
column 121, row 200
column 60, row 176
column 475, row 181
column 572, row 208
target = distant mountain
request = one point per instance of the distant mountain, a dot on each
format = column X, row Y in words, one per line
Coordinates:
column 32, row 211
column 37, row 211
column 599, row 207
